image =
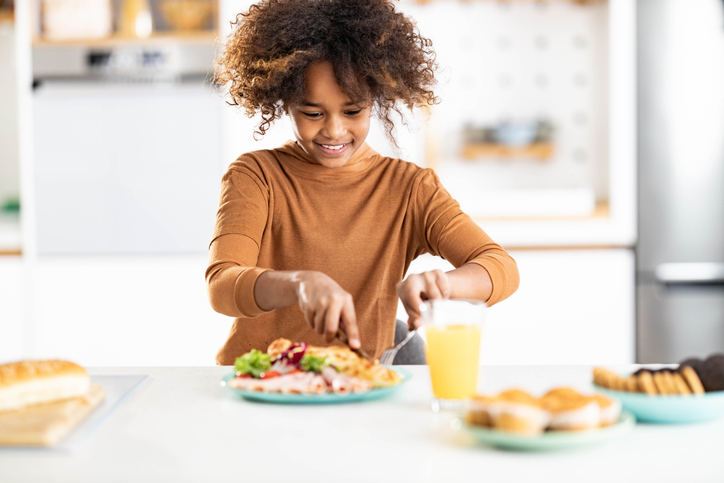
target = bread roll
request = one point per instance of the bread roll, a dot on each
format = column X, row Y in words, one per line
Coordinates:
column 35, row 382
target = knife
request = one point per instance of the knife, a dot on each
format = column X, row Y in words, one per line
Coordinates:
column 342, row 337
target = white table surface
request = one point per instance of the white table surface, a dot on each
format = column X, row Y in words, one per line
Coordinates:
column 182, row 426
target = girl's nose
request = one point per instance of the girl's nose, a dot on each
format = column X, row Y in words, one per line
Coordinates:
column 335, row 127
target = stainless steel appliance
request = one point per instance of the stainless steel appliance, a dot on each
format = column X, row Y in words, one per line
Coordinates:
column 680, row 252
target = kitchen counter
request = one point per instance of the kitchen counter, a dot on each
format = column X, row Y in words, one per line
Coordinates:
column 10, row 239
column 182, row 426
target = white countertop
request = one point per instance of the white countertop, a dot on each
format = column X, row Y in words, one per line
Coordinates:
column 182, row 426
column 10, row 238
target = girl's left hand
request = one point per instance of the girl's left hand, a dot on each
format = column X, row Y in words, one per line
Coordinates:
column 419, row 287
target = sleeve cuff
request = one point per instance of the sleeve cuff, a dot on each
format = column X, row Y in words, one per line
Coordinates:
column 244, row 292
column 501, row 286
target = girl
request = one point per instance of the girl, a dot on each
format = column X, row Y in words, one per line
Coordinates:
column 324, row 223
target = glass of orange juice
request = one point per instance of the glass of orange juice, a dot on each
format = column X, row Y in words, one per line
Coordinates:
column 453, row 331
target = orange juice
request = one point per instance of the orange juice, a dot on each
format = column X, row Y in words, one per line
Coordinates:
column 453, row 352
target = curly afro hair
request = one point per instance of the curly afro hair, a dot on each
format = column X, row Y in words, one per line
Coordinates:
column 377, row 54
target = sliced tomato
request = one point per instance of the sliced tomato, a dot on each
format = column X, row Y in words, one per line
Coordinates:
column 269, row 374
column 246, row 375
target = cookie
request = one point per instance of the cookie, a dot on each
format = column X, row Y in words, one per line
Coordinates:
column 680, row 384
column 668, row 378
column 711, row 373
column 632, row 384
column 604, row 378
column 692, row 379
column 616, row 382
column 660, row 382
column 693, row 362
column 646, row 382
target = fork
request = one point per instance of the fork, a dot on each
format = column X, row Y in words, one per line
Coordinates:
column 389, row 354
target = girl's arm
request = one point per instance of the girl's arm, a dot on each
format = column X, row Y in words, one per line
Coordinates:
column 327, row 307
column 485, row 270
column 239, row 289
column 471, row 281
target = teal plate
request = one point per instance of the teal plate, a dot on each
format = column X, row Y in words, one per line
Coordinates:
column 670, row 409
column 332, row 398
column 552, row 440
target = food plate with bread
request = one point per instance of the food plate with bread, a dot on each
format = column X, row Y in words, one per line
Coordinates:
column 552, row 440
column 561, row 418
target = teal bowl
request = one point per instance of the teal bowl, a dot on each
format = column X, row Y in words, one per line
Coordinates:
column 670, row 409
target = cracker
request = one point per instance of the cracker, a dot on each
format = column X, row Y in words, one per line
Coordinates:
column 646, row 383
column 681, row 386
column 632, row 385
column 692, row 379
column 604, row 378
column 660, row 382
column 620, row 383
column 668, row 379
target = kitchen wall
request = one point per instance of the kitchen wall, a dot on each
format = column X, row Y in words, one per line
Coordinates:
column 9, row 166
column 502, row 61
column 517, row 63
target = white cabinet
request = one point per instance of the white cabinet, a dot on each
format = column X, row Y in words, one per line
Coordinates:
column 572, row 307
column 125, row 311
column 11, row 328
column 126, row 168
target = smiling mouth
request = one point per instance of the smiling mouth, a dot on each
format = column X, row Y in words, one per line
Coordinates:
column 333, row 147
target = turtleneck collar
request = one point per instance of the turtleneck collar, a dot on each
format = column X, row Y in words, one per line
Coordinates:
column 359, row 161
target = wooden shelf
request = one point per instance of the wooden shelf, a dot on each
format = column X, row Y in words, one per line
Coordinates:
column 577, row 2
column 539, row 151
column 159, row 38
column 7, row 16
column 601, row 211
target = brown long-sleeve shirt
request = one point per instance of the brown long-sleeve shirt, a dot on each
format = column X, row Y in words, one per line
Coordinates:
column 361, row 224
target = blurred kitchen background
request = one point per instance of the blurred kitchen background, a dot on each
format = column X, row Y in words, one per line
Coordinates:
column 555, row 117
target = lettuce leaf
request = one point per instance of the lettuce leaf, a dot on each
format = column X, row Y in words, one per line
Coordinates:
column 254, row 362
column 312, row 363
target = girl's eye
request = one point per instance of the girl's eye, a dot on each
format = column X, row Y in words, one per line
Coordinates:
column 312, row 115
column 353, row 113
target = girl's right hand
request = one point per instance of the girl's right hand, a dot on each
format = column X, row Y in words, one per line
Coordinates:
column 327, row 307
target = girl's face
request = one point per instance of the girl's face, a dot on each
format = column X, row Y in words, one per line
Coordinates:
column 328, row 125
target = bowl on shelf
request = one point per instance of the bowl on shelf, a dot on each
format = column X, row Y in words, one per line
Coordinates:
column 516, row 134
column 186, row 14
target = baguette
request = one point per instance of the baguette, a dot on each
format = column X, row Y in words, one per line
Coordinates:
column 35, row 382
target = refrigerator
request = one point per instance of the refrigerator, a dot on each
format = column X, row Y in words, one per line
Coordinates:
column 680, row 249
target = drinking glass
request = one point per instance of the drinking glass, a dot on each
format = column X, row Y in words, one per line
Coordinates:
column 453, row 331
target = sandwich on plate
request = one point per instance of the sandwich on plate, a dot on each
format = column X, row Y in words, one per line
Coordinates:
column 297, row 368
